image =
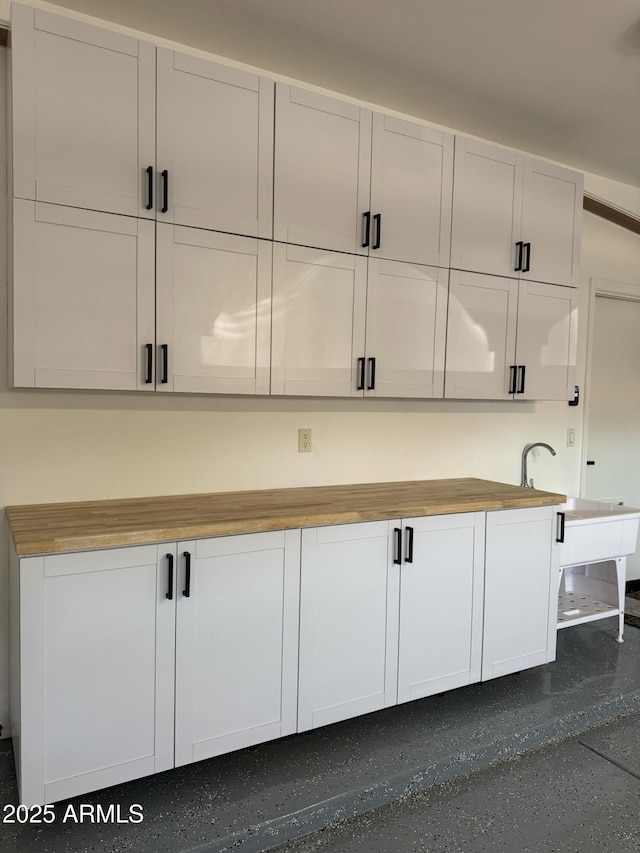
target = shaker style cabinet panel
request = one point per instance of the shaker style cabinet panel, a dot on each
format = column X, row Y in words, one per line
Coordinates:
column 236, row 642
column 515, row 215
column 348, row 622
column 441, row 603
column 213, row 312
column 521, row 591
column 354, row 182
column 83, row 113
column 95, row 640
column 509, row 339
column 83, row 298
column 215, row 146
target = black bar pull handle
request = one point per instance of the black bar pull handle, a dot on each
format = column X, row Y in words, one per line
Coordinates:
column 377, row 219
column 512, row 378
column 521, row 368
column 367, row 228
column 149, row 378
column 527, row 264
column 560, row 528
column 372, row 374
column 187, row 574
column 518, row 266
column 149, row 187
column 169, row 593
column 408, row 557
column 397, row 546
column 165, row 191
column 165, row 363
column 360, row 385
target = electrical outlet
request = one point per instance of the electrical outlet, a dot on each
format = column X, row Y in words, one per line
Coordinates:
column 571, row 438
column 304, row 441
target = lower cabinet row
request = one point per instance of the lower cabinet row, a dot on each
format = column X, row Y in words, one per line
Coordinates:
column 129, row 661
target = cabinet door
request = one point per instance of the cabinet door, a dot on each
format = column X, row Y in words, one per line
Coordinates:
column 411, row 188
column 213, row 297
column 215, row 141
column 236, row 642
column 487, row 206
column 551, row 222
column 546, row 340
column 481, row 336
column 322, row 170
column 97, row 637
column 83, row 298
column 406, row 328
column 348, row 622
column 83, row 113
column 520, row 594
column 441, row 587
column 318, row 318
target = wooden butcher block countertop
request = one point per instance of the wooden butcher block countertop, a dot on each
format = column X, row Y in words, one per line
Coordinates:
column 52, row 528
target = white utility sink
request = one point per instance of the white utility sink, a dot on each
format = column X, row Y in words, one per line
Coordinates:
column 595, row 539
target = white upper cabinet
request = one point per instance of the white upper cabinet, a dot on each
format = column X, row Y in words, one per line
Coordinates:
column 215, row 146
column 509, row 339
column 85, row 132
column 354, row 182
column 514, row 215
column 83, row 114
column 213, row 311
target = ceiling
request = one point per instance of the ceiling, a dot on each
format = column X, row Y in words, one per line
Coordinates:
column 558, row 78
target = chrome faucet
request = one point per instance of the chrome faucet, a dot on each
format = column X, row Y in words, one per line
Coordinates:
column 528, row 484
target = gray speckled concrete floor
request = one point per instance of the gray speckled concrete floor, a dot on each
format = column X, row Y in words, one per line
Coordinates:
column 257, row 798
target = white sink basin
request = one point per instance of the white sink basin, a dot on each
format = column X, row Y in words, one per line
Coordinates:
column 597, row 531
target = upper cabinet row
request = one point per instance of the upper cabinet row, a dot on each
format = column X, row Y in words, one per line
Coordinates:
column 109, row 123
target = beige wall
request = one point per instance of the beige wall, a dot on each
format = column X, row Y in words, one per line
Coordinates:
column 74, row 446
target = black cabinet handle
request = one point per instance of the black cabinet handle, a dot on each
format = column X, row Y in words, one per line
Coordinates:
column 165, row 190
column 149, row 187
column 372, row 374
column 360, row 385
column 169, row 576
column 408, row 558
column 187, row 574
column 518, row 266
column 591, row 461
column 377, row 219
column 149, row 349
column 367, row 229
column 512, row 379
column 397, row 546
column 527, row 264
column 165, row 363
column 521, row 368
column 560, row 529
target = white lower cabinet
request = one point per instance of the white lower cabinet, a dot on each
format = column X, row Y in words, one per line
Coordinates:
column 520, row 595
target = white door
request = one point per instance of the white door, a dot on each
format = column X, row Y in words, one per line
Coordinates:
column 406, row 329
column 481, row 336
column 236, row 642
column 520, row 590
column 318, row 320
column 551, row 222
column 97, row 670
column 83, row 298
column 322, row 170
column 215, row 146
column 213, row 311
column 546, row 341
column 441, row 601
column 487, row 202
column 83, row 114
column 411, row 190
column 614, row 405
column 348, row 622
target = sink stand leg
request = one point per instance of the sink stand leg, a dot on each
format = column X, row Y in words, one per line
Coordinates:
column 621, row 572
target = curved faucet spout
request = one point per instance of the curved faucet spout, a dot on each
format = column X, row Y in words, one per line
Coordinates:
column 528, row 484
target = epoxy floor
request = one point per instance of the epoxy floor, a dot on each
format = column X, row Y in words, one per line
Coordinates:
column 372, row 778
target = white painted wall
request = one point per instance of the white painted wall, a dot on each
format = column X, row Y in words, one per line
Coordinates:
column 59, row 446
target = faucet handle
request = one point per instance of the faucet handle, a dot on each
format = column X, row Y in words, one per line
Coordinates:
column 531, row 486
